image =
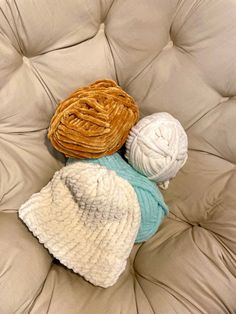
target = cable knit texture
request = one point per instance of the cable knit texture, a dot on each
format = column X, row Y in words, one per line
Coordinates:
column 94, row 121
column 88, row 218
column 157, row 147
column 152, row 206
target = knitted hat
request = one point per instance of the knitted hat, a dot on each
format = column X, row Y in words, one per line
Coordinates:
column 88, row 218
column 94, row 121
column 152, row 206
column 157, row 146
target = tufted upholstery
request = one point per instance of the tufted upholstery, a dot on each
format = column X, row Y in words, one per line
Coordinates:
column 170, row 55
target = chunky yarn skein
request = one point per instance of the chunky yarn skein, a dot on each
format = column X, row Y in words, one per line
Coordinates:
column 157, row 147
column 94, row 121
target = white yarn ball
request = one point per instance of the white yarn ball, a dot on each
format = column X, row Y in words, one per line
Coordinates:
column 157, row 147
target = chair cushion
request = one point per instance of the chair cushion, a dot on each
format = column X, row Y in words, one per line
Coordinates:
column 171, row 56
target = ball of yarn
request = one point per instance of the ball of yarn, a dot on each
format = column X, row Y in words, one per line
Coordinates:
column 94, row 121
column 152, row 205
column 88, row 218
column 157, row 147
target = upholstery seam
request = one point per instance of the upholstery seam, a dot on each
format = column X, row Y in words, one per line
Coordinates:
column 188, row 15
column 208, row 257
column 103, row 17
column 12, row 30
column 156, row 56
column 169, row 290
column 43, row 84
column 16, row 33
column 136, row 281
column 112, row 56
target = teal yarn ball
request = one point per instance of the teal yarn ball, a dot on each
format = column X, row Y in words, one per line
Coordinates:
column 151, row 202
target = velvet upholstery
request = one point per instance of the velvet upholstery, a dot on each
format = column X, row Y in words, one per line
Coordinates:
column 176, row 56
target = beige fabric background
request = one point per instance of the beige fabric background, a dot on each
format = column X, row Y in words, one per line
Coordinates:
column 174, row 56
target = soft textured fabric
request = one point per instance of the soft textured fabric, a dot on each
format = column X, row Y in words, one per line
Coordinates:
column 152, row 205
column 94, row 121
column 157, row 146
column 173, row 56
column 88, row 218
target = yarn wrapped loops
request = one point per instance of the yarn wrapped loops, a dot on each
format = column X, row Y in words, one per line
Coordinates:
column 94, row 121
column 157, row 147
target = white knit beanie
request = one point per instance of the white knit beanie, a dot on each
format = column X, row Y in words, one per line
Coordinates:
column 88, row 218
column 157, row 147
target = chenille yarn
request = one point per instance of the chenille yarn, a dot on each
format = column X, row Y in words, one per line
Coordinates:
column 88, row 218
column 157, row 147
column 152, row 205
column 94, row 121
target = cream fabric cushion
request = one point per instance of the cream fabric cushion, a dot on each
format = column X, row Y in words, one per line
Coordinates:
column 171, row 56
